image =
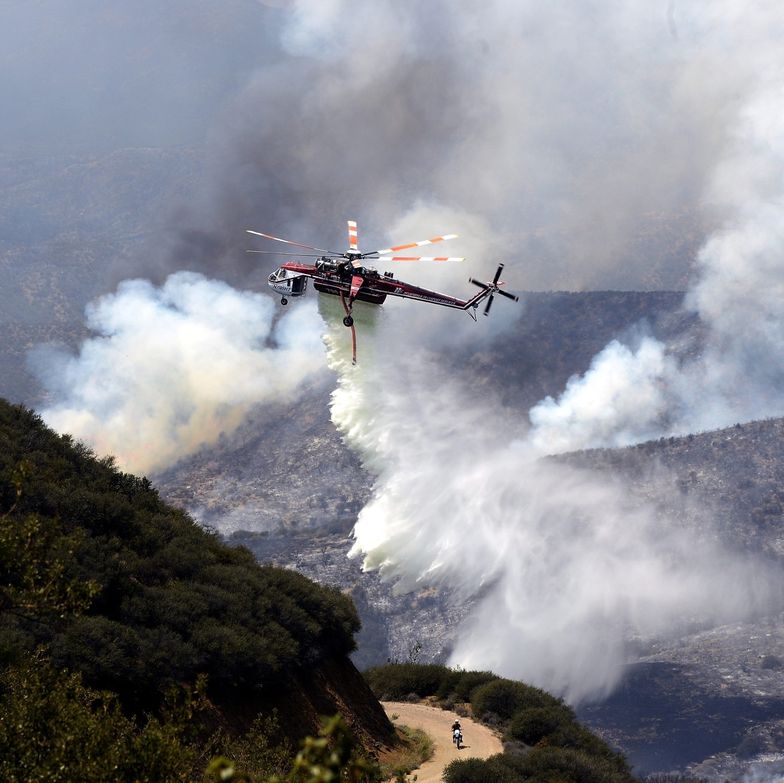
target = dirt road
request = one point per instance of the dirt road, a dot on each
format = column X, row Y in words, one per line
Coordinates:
column 480, row 742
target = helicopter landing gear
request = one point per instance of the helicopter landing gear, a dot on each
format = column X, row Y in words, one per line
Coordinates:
column 283, row 300
column 348, row 321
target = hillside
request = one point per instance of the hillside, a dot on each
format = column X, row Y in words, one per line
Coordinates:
column 132, row 595
column 71, row 227
column 131, row 637
column 710, row 700
column 249, row 482
column 737, row 473
column 715, row 696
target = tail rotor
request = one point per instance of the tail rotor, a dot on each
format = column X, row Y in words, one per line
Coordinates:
column 494, row 287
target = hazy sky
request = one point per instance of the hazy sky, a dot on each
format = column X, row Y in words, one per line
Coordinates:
column 92, row 76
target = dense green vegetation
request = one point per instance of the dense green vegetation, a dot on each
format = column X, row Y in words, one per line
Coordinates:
column 55, row 729
column 161, row 600
column 124, row 626
column 544, row 740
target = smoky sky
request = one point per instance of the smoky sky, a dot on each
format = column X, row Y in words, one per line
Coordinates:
column 94, row 76
column 580, row 135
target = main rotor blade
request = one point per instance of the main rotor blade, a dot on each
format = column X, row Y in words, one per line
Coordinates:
column 489, row 304
column 509, row 296
column 284, row 253
column 289, row 242
column 419, row 258
column 353, row 240
column 432, row 241
column 498, row 273
column 478, row 282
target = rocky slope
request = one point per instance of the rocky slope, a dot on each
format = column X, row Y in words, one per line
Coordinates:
column 714, row 697
column 711, row 700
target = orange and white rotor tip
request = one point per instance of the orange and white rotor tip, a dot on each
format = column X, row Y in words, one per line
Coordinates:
column 353, row 243
column 421, row 258
column 444, row 238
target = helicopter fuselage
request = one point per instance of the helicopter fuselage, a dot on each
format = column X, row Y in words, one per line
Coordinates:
column 357, row 283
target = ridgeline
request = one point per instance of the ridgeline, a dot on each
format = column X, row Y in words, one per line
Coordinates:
column 114, row 602
column 136, row 646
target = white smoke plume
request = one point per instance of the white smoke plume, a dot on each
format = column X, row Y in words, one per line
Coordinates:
column 738, row 296
column 565, row 567
column 170, row 369
column 604, row 406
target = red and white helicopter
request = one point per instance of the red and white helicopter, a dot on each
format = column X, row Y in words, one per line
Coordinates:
column 345, row 275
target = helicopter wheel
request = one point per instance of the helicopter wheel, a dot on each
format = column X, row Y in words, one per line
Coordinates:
column 284, row 301
column 348, row 321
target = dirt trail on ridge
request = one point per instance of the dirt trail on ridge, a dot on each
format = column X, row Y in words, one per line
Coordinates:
column 480, row 742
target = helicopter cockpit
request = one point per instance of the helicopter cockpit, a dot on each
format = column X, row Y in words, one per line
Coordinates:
column 287, row 283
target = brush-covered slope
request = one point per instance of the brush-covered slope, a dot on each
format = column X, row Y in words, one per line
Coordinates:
column 133, row 595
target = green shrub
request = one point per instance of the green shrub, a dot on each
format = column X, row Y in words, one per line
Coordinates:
column 261, row 752
column 457, row 685
column 571, row 766
column 398, row 680
column 535, row 723
column 446, row 690
column 132, row 592
column 492, row 770
column 469, row 682
column 575, row 736
column 506, row 697
column 55, row 730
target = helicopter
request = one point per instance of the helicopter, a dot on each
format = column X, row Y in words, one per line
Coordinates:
column 345, row 275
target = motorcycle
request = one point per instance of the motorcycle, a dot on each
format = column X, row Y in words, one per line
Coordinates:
column 457, row 738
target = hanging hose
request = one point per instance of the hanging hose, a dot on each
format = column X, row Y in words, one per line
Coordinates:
column 353, row 331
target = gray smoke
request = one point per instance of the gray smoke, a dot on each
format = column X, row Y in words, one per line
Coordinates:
column 580, row 136
column 92, row 76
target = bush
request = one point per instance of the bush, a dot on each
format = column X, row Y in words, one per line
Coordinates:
column 506, row 697
column 131, row 592
column 56, row 730
column 493, row 770
column 446, row 690
column 458, row 685
column 575, row 736
column 571, row 766
column 400, row 680
column 535, row 723
column 469, row 682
